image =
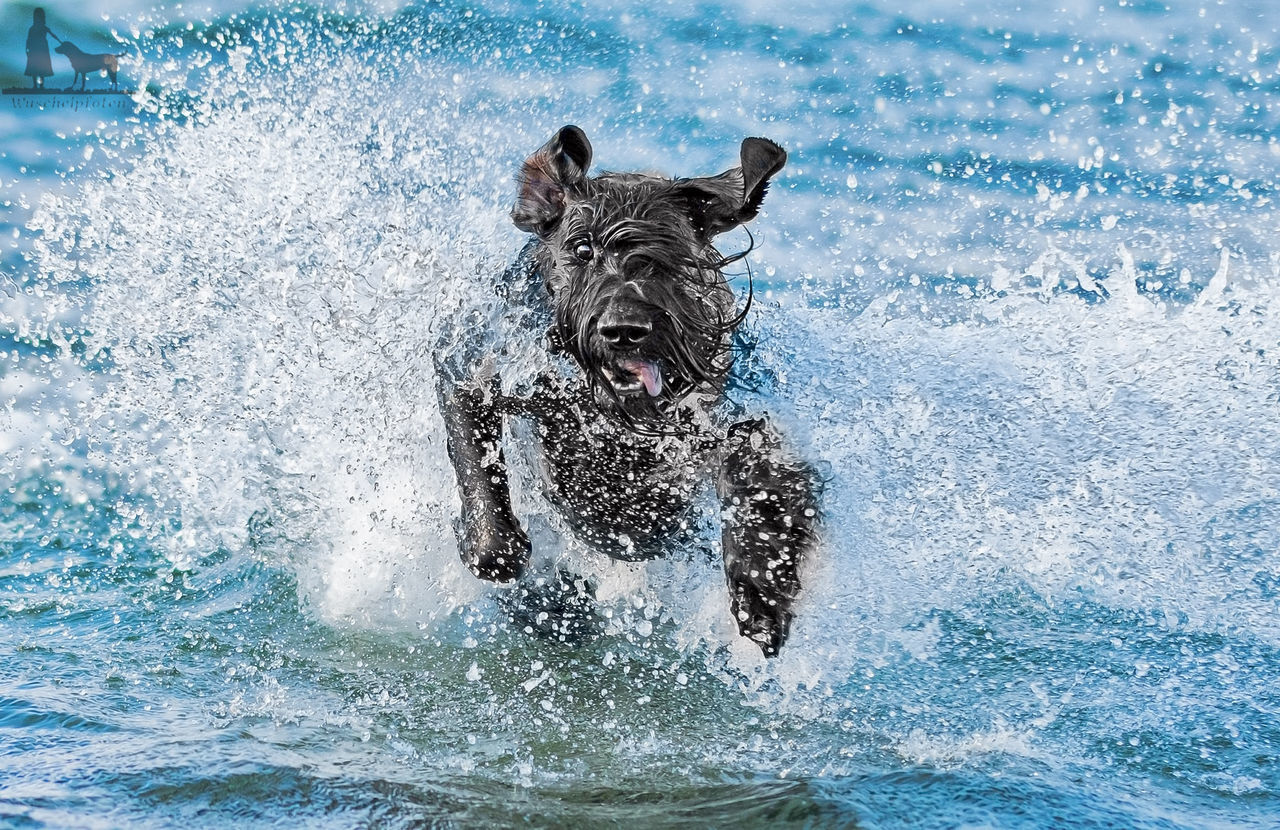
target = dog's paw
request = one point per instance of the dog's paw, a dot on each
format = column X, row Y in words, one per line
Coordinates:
column 496, row 552
column 764, row 621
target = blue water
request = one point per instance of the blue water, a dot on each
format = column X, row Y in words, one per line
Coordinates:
column 1021, row 294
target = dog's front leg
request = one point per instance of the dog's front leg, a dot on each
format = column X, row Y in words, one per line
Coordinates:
column 770, row 502
column 491, row 541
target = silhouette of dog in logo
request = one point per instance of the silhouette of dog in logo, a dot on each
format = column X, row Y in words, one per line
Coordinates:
column 83, row 63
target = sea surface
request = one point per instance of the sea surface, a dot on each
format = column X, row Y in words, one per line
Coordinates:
column 1017, row 296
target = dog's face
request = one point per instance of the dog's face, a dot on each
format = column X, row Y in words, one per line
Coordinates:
column 636, row 285
column 63, row 48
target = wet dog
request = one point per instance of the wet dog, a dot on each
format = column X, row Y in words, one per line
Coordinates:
column 83, row 63
column 622, row 275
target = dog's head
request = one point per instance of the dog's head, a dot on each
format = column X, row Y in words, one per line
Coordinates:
column 65, row 48
column 637, row 288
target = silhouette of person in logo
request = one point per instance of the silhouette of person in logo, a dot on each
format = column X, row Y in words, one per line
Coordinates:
column 39, row 66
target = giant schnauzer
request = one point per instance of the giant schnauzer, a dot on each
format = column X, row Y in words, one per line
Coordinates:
column 622, row 275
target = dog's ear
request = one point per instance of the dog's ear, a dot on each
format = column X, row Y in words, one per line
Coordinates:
column 546, row 176
column 718, row 203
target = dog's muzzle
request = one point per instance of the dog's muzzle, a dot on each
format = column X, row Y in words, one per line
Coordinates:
column 624, row 328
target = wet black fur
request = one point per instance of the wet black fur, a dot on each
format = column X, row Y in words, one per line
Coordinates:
column 622, row 272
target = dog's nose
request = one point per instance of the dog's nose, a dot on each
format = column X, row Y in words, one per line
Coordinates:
column 624, row 328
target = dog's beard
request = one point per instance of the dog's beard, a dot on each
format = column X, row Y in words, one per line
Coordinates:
column 633, row 389
column 630, row 375
column 646, row 391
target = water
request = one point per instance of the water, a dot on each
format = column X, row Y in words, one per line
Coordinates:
column 1022, row 304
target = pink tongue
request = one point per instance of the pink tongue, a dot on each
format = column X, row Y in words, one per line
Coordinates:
column 649, row 373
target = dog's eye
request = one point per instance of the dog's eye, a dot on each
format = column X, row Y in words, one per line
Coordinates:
column 583, row 251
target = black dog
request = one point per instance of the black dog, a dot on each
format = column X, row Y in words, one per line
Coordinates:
column 83, row 63
column 622, row 275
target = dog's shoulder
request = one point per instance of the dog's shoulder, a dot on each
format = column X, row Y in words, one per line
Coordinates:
column 522, row 278
column 522, row 288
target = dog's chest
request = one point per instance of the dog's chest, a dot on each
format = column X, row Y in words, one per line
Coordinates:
column 610, row 478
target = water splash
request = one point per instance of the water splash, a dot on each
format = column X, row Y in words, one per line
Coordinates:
column 268, row 279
